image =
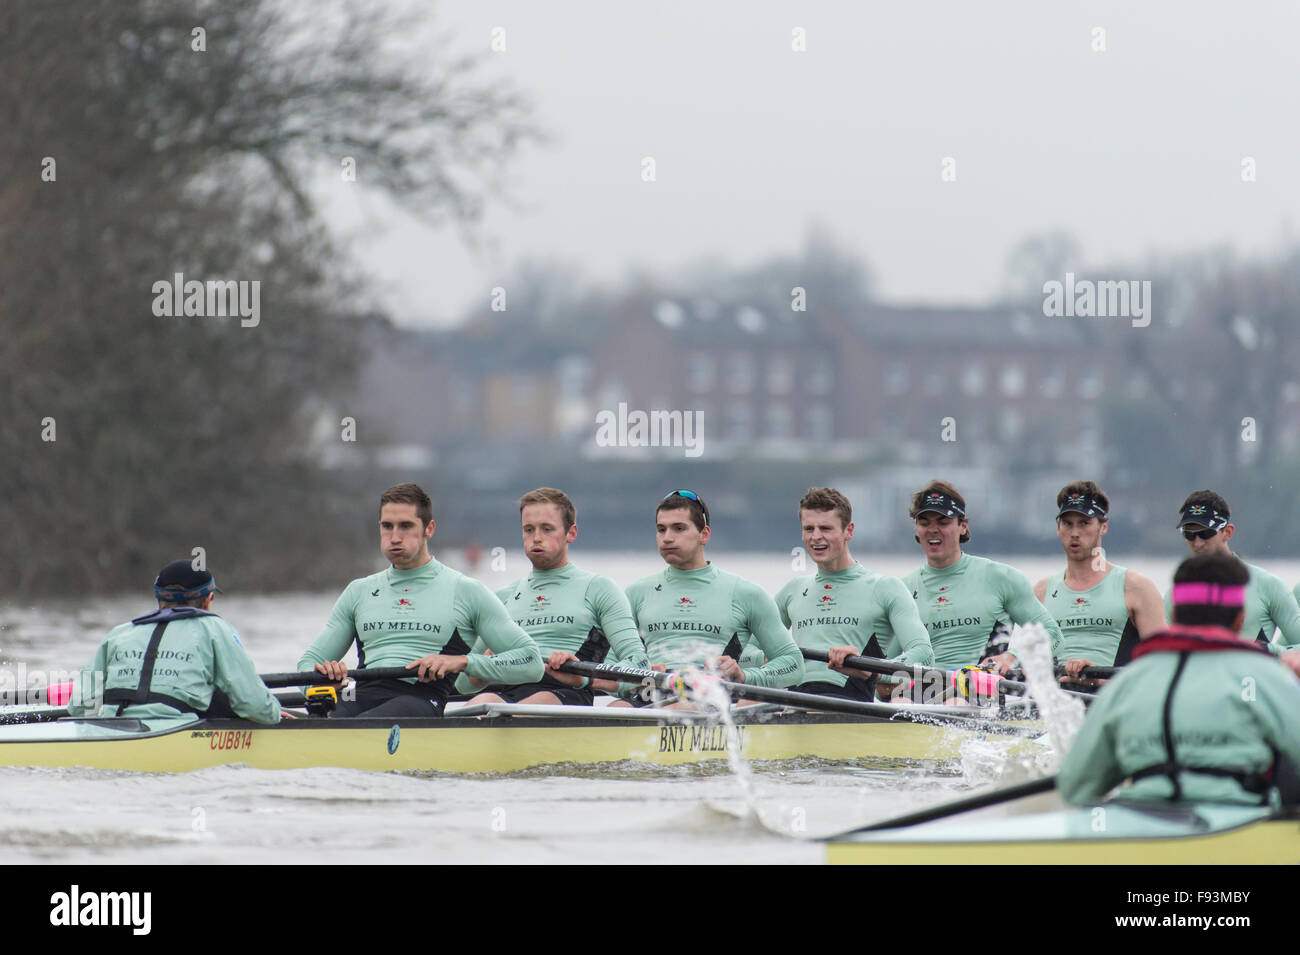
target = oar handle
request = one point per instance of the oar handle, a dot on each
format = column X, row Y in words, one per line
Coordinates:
column 56, row 694
column 895, row 668
column 1091, row 673
column 312, row 678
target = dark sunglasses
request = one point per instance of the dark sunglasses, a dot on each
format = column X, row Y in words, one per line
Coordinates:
column 1203, row 535
column 691, row 496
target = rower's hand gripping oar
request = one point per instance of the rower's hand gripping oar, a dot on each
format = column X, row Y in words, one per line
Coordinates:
column 1091, row 673
column 681, row 685
column 968, row 681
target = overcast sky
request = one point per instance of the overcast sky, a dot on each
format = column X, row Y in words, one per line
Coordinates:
column 1135, row 149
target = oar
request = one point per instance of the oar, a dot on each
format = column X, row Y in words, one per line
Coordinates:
column 312, row 678
column 57, row 694
column 1006, row 794
column 1091, row 673
column 45, row 714
column 985, row 684
column 764, row 694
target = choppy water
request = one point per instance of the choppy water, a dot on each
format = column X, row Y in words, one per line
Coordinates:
column 235, row 814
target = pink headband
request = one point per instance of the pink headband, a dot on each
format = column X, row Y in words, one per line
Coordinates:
column 1211, row 595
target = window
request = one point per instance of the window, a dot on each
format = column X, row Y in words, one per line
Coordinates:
column 1090, row 384
column 740, row 422
column 820, row 423
column 780, row 423
column 780, row 375
column 740, row 374
column 1052, row 384
column 896, row 380
column 699, row 373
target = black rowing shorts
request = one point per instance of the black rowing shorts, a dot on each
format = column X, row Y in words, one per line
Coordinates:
column 568, row 695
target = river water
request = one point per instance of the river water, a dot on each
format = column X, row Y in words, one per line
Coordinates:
column 235, row 814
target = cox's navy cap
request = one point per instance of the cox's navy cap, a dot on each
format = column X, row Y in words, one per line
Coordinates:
column 179, row 581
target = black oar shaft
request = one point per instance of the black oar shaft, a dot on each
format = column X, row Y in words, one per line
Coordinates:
column 810, row 701
column 311, row 678
column 919, row 673
column 963, row 805
column 1092, row 673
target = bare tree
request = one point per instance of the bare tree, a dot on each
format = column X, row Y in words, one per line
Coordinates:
column 147, row 138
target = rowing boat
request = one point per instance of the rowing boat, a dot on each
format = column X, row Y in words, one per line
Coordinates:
column 500, row 737
column 1043, row 830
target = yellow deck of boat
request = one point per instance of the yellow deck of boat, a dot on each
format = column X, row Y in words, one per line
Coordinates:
column 1041, row 830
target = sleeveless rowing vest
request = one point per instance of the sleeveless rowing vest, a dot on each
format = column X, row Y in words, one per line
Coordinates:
column 1094, row 623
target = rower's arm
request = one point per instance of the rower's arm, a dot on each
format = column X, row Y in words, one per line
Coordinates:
column 89, row 685
column 782, row 602
column 1040, row 591
column 614, row 617
column 1285, row 612
column 1023, row 607
column 784, row 666
column 1144, row 603
column 910, row 636
column 515, row 658
column 234, row 674
column 1091, row 768
column 333, row 642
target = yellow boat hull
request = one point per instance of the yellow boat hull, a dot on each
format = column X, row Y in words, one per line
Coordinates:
column 1107, row 834
column 481, row 746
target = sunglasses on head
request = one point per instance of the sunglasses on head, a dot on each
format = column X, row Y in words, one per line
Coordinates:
column 1203, row 535
column 691, row 496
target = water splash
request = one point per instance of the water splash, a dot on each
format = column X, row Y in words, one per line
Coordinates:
column 706, row 687
column 1063, row 714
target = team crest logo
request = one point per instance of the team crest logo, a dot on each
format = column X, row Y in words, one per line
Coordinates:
column 403, row 605
column 685, row 605
column 1080, row 602
column 541, row 599
column 1197, row 510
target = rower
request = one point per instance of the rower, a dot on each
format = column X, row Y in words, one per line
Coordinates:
column 1272, row 613
column 966, row 603
column 1201, row 713
column 1103, row 609
column 181, row 660
column 691, row 613
column 571, row 614
column 845, row 609
column 419, row 614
